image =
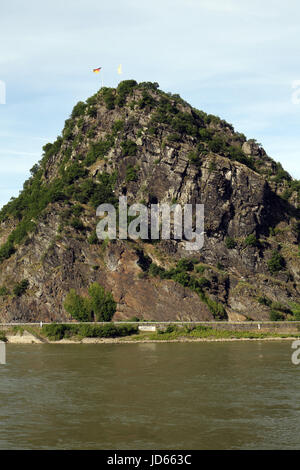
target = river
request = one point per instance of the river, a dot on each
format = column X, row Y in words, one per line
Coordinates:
column 234, row 395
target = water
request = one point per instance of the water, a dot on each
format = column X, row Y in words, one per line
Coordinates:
column 235, row 395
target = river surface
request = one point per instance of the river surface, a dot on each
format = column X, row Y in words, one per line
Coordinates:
column 234, row 395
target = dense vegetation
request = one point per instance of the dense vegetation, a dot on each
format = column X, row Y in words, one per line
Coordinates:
column 56, row 332
column 99, row 305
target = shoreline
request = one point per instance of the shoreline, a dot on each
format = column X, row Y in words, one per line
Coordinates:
column 30, row 339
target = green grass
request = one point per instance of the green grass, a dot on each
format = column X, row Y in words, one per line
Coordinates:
column 174, row 332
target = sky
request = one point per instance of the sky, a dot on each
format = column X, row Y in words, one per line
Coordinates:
column 238, row 59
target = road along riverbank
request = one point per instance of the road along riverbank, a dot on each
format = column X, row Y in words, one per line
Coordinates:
column 74, row 333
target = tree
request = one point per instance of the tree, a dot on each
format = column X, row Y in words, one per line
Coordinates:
column 99, row 305
column 77, row 306
column 102, row 303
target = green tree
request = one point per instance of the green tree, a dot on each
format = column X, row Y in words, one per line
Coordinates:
column 78, row 110
column 102, row 302
column 77, row 306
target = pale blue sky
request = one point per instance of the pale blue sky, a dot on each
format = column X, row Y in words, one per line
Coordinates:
column 233, row 58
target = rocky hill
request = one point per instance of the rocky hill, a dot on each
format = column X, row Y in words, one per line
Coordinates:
column 152, row 147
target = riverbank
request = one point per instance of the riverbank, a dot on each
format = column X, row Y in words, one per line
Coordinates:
column 128, row 333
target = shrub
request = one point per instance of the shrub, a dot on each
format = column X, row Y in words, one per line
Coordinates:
column 78, row 110
column 184, row 123
column 295, row 307
column 146, row 101
column 216, row 145
column 155, row 270
column 201, row 283
column 84, row 191
column 103, row 191
column 20, row 287
column 77, row 209
column 173, row 138
column 251, row 240
column 117, row 126
column 77, row 224
column 264, row 301
column 4, row 291
column 230, row 243
column 182, row 278
column 55, row 331
column 281, row 174
column 129, row 148
column 171, row 329
column 216, row 309
column 98, row 150
column 131, row 173
column 91, row 133
column 185, row 265
column 92, row 111
column 93, row 239
column 276, row 316
column 123, row 90
column 212, row 167
column 194, row 157
column 276, row 263
column 3, row 337
column 72, row 173
column 200, row 269
column 109, row 97
column 205, row 134
column 6, row 250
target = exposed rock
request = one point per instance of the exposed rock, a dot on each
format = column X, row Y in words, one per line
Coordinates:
column 239, row 201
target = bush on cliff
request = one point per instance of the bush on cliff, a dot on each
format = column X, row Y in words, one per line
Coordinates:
column 21, row 287
column 276, row 263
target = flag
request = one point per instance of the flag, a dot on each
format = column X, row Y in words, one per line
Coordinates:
column 120, row 69
column 97, row 70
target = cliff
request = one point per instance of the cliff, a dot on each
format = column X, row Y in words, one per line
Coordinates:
column 152, row 147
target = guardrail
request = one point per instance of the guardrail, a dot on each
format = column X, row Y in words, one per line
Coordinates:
column 209, row 323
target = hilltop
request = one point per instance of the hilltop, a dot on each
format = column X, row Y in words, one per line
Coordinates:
column 152, row 146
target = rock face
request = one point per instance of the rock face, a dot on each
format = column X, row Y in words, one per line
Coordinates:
column 152, row 147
